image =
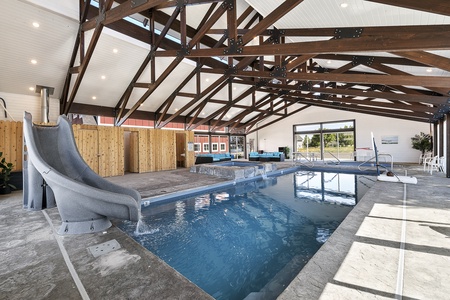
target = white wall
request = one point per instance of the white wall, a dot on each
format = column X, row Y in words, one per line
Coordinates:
column 281, row 133
column 16, row 104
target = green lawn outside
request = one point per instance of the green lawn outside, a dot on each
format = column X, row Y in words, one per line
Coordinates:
column 345, row 153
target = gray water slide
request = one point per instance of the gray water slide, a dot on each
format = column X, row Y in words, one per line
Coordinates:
column 55, row 174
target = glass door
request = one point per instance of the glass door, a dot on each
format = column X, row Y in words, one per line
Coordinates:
column 338, row 146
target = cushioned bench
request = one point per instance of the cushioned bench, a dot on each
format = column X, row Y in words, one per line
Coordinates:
column 210, row 158
column 266, row 156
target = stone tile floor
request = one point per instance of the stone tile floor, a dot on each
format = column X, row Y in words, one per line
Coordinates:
column 360, row 261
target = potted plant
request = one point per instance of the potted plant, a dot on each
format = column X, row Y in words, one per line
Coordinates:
column 422, row 142
column 5, row 173
column 287, row 150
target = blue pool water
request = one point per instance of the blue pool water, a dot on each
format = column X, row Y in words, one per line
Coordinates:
column 252, row 238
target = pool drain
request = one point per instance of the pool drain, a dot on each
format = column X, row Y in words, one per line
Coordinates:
column 104, row 248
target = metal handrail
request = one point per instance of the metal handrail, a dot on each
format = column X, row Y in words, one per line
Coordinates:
column 338, row 160
column 295, row 154
column 374, row 158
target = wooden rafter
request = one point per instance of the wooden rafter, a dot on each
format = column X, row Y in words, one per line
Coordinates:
column 384, row 90
column 433, row 6
column 362, row 109
column 387, row 42
column 103, row 8
column 427, row 58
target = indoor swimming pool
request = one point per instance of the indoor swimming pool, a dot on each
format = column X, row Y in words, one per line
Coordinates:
column 250, row 239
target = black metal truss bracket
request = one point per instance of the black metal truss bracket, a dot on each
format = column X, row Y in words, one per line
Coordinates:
column 377, row 87
column 233, row 47
column 261, row 83
column 278, row 72
column 305, row 86
column 101, row 17
column 346, row 33
column 228, row 4
column 181, row 4
column 323, row 96
column 136, row 3
column 275, row 35
column 320, row 69
column 362, row 60
column 283, row 92
column 182, row 52
column 443, row 109
column 231, row 71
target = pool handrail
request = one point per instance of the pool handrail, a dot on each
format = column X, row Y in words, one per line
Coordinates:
column 338, row 161
column 295, row 160
column 376, row 161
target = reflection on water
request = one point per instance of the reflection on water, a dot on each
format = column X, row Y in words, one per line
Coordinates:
column 252, row 238
column 336, row 188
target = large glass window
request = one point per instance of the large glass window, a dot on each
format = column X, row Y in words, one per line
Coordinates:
column 200, row 142
column 237, row 146
column 327, row 141
column 204, row 143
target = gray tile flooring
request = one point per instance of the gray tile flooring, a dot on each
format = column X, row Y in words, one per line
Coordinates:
column 390, row 246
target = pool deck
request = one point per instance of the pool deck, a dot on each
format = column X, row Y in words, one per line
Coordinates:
column 394, row 244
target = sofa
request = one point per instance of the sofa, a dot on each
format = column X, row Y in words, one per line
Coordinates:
column 211, row 157
column 266, row 156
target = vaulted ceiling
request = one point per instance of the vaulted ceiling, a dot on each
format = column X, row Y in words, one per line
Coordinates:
column 235, row 63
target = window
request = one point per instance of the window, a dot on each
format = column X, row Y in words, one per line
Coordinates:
column 327, row 141
column 215, row 147
column 223, row 147
column 197, row 147
column 205, row 147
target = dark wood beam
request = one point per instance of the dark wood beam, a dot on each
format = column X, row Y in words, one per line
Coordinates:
column 119, row 12
column 376, row 59
column 431, row 81
column 122, row 118
column 427, row 58
column 396, row 72
column 278, row 120
column 432, row 6
column 362, row 109
column 383, row 43
column 84, row 64
column 331, row 31
column 270, row 19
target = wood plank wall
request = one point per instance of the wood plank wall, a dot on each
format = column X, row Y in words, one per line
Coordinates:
column 11, row 141
column 155, row 149
column 102, row 147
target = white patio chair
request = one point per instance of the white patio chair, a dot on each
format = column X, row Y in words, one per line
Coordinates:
column 435, row 164
column 422, row 157
column 427, row 163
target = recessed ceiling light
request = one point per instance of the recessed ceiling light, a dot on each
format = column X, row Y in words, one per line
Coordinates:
column 203, row 113
column 344, row 5
column 429, row 70
column 115, row 50
column 31, row 88
column 328, row 61
column 141, row 104
column 35, row 24
column 93, row 97
column 33, row 61
column 207, row 79
column 176, row 109
column 103, row 77
column 234, row 88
